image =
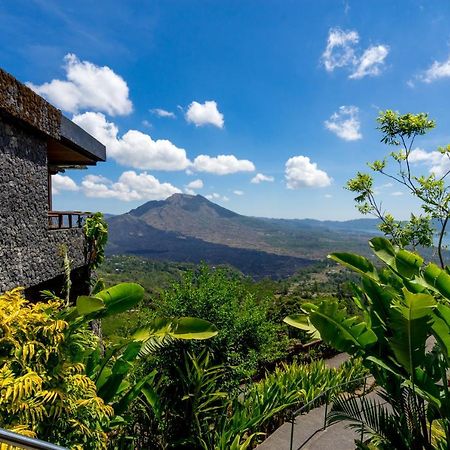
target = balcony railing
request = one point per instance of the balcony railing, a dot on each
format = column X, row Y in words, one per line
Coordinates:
column 60, row 220
column 18, row 440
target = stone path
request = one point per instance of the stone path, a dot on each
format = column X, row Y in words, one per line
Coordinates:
column 308, row 430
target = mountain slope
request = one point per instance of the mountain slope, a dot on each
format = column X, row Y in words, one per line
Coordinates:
column 129, row 234
column 193, row 229
column 197, row 217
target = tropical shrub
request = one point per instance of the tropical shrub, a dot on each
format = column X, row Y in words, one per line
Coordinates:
column 404, row 310
column 55, row 383
column 262, row 407
column 247, row 338
column 44, row 389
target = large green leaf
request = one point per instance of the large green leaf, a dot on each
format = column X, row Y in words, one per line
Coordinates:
column 111, row 379
column 408, row 263
column 177, row 328
column 125, row 401
column 120, row 298
column 87, row 305
column 347, row 334
column 193, row 328
column 302, row 322
column 384, row 250
column 441, row 328
column 405, row 263
column 355, row 262
column 162, row 331
column 411, row 320
column 438, row 279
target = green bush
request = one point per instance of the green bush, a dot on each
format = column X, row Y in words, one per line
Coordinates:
column 247, row 337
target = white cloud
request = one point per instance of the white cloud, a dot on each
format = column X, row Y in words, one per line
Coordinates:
column 437, row 71
column 345, row 123
column 237, row 192
column 328, row 196
column 222, row 164
column 371, row 61
column 196, row 184
column 163, row 113
column 397, row 193
column 190, row 191
column 216, row 196
column 134, row 148
column 259, row 177
column 301, row 172
column 341, row 52
column 130, row 186
column 204, row 113
column 87, row 87
column 63, row 183
column 439, row 164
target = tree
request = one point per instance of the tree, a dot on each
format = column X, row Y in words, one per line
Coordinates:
column 431, row 190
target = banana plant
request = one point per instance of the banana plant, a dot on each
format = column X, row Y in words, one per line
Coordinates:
column 404, row 308
column 110, row 371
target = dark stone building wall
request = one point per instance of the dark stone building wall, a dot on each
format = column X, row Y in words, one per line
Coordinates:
column 29, row 251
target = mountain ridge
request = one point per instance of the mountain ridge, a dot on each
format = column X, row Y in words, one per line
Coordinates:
column 192, row 228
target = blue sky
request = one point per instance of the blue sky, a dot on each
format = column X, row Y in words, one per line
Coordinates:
column 289, row 90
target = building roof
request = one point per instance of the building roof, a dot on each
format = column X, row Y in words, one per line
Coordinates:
column 68, row 144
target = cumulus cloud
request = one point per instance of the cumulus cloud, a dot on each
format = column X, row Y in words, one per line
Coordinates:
column 259, row 177
column 130, row 186
column 87, row 86
column 163, row 113
column 216, row 196
column 204, row 113
column 345, row 123
column 436, row 71
column 191, row 187
column 371, row 62
column 222, row 164
column 301, row 172
column 438, row 163
column 134, row 148
column 238, row 192
column 196, row 184
column 341, row 52
column 63, row 183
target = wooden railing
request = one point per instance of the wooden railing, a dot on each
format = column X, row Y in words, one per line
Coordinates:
column 59, row 220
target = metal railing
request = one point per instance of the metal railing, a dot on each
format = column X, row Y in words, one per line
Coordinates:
column 325, row 397
column 60, row 220
column 18, row 440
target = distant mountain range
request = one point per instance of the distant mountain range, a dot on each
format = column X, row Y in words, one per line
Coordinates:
column 191, row 228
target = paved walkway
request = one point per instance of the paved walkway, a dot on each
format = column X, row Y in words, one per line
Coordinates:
column 308, row 430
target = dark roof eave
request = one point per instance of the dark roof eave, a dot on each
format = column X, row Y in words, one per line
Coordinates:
column 82, row 142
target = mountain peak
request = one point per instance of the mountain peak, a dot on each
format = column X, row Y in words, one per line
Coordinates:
column 183, row 202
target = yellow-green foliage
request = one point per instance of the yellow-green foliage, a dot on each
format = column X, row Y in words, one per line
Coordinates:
column 44, row 391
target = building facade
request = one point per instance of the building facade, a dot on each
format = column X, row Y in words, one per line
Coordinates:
column 37, row 141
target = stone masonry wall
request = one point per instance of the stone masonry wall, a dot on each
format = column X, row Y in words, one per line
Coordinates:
column 29, row 251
